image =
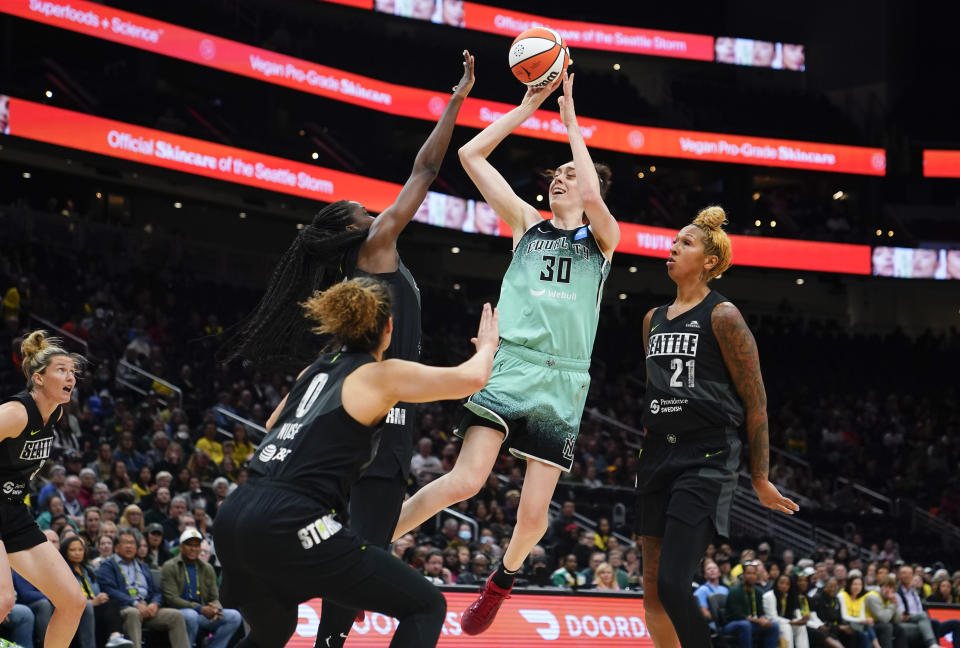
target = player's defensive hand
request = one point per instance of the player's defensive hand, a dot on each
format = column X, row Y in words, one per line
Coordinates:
column 536, row 96
column 770, row 497
column 488, row 334
column 565, row 101
column 462, row 89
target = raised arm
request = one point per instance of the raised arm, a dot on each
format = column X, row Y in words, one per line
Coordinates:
column 518, row 214
column 370, row 391
column 604, row 226
column 379, row 252
column 740, row 355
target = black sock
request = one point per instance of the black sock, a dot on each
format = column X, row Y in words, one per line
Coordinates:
column 503, row 577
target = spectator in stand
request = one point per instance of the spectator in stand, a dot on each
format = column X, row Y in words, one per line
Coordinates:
column 33, row 598
column 132, row 517
column 18, row 625
column 890, row 551
column 190, row 586
column 127, row 453
column 604, row 578
column 129, row 581
column 882, row 608
column 401, row 544
column 209, row 444
column 726, row 567
column 633, row 567
column 158, row 448
column 942, row 592
column 159, row 511
column 72, row 505
column 820, row 577
column 744, row 611
column 424, row 465
column 157, row 551
column 91, row 526
column 88, row 480
column 58, row 476
column 452, row 562
column 433, row 568
column 101, row 493
column 711, row 585
column 172, row 458
column 100, row 624
column 840, row 573
column 103, row 464
column 568, row 576
column 615, row 558
column 143, row 485
column 780, row 604
column 595, row 560
column 54, row 509
column 601, row 538
column 171, row 526
column 109, row 512
column 242, row 448
column 817, row 633
column 827, row 606
column 910, row 608
column 120, row 485
column 558, row 528
column 853, row 610
column 221, row 488
column 449, row 533
column 201, row 466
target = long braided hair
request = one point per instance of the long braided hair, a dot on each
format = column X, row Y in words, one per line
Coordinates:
column 276, row 335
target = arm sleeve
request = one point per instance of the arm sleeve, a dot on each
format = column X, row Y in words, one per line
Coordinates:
column 770, row 606
column 701, row 596
column 844, row 610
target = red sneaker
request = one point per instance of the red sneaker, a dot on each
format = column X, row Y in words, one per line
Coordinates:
column 481, row 612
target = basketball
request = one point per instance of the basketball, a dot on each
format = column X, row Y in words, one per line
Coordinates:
column 538, row 56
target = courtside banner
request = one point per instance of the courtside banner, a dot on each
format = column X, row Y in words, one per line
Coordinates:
column 148, row 146
column 253, row 62
column 158, row 148
column 941, row 164
column 527, row 620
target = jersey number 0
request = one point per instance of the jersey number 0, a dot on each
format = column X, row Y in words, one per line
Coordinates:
column 312, row 393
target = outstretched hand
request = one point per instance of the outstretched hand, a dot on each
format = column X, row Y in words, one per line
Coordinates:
column 536, row 96
column 488, row 334
column 770, row 497
column 462, row 89
column 565, row 101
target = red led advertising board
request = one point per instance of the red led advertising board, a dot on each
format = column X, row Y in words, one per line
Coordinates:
column 941, row 164
column 237, row 58
column 149, row 146
column 597, row 36
column 524, row 620
column 528, row 620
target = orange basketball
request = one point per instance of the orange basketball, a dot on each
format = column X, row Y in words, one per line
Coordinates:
column 538, row 56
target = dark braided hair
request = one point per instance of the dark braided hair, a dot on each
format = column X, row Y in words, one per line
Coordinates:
column 275, row 335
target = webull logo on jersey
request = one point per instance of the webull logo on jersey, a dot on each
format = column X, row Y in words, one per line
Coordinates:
column 667, row 405
column 39, row 449
column 673, row 344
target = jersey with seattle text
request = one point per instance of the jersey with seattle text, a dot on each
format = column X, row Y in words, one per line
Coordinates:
column 688, row 384
column 22, row 457
column 315, row 447
column 550, row 297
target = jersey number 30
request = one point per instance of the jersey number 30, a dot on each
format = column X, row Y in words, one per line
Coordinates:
column 561, row 266
column 312, row 393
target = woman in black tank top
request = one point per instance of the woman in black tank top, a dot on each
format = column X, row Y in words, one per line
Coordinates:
column 281, row 537
column 703, row 382
column 26, row 436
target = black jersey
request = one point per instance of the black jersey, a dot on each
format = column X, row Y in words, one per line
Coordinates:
column 315, row 447
column 688, row 386
column 396, row 449
column 22, row 457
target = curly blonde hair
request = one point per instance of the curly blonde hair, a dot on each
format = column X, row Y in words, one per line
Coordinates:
column 354, row 312
column 711, row 220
